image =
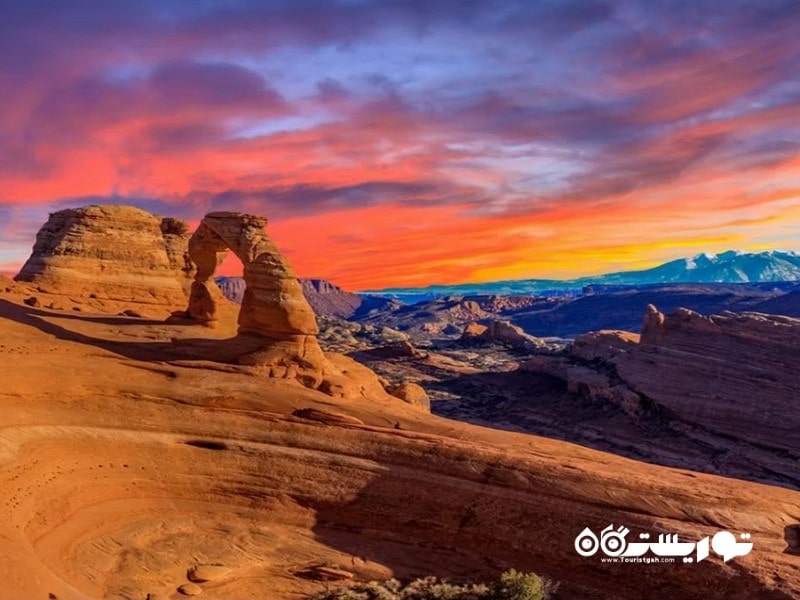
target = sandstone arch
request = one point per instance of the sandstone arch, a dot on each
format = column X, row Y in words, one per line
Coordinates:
column 274, row 313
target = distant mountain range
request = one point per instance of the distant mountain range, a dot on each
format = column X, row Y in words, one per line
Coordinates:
column 727, row 267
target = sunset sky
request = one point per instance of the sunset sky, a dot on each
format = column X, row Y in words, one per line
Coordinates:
column 398, row 143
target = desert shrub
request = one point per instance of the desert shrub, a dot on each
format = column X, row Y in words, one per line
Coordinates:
column 512, row 585
column 387, row 590
column 431, row 588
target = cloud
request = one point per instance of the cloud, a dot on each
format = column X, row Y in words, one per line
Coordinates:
column 171, row 92
column 525, row 134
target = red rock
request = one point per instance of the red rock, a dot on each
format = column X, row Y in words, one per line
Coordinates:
column 190, row 589
column 502, row 332
column 412, row 393
column 273, row 306
column 111, row 253
column 473, row 330
column 733, row 375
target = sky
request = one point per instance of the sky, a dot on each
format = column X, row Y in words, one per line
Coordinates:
column 404, row 143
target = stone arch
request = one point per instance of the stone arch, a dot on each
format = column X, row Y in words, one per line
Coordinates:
column 277, row 327
column 273, row 304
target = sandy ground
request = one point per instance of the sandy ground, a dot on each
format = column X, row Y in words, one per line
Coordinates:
column 126, row 458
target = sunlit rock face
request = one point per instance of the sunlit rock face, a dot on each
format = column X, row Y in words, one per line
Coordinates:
column 733, row 372
column 277, row 329
column 273, row 306
column 113, row 254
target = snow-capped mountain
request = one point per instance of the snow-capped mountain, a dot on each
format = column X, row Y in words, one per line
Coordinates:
column 728, row 267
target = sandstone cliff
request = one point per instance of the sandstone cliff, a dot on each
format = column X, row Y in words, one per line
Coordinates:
column 107, row 256
column 726, row 383
column 735, row 373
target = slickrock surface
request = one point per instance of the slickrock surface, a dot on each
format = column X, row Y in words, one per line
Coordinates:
column 8, row 285
column 735, row 373
column 125, row 461
column 726, row 382
column 203, row 573
column 111, row 257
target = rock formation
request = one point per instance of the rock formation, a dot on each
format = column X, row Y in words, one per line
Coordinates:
column 725, row 381
column 413, row 393
column 329, row 299
column 273, row 307
column 277, row 329
column 502, row 332
column 734, row 372
column 473, row 331
column 338, row 335
column 124, row 478
column 273, row 303
column 653, row 325
column 111, row 256
column 439, row 317
column 326, row 298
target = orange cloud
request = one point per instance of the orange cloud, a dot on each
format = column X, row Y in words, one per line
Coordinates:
column 629, row 140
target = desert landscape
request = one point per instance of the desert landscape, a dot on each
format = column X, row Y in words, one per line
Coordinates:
column 152, row 427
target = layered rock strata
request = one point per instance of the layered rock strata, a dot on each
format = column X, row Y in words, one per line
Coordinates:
column 725, row 382
column 111, row 254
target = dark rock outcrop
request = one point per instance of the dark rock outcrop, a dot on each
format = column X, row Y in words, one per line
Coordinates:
column 726, row 382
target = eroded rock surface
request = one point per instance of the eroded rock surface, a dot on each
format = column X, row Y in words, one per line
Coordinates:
column 109, row 256
column 277, row 329
column 273, row 306
column 735, row 373
column 724, row 382
column 412, row 393
column 122, row 468
column 501, row 331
